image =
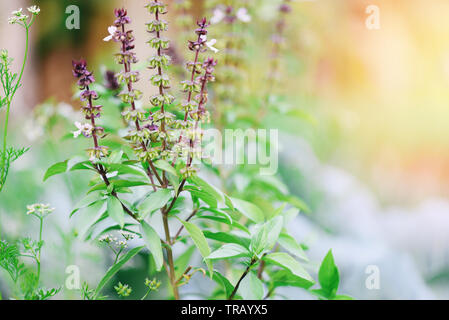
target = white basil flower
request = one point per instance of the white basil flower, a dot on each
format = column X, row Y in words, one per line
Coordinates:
column 210, row 44
column 84, row 129
column 112, row 30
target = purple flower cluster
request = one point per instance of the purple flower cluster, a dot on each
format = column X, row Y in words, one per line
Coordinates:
column 122, row 17
column 199, row 115
column 144, row 128
column 127, row 58
column 195, row 87
column 84, row 76
column 200, row 43
column 90, row 111
column 159, row 62
column 192, row 85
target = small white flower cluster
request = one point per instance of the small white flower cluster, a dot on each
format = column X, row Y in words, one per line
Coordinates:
column 34, row 10
column 122, row 244
column 110, row 239
column 18, row 15
column 107, row 238
column 39, row 209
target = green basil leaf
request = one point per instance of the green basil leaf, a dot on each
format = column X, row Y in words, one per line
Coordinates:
column 222, row 281
column 286, row 261
column 55, row 169
column 291, row 245
column 251, row 288
column 285, row 278
column 266, row 236
column 234, row 224
column 87, row 201
column 199, row 240
column 328, row 275
column 155, row 201
column 227, row 237
column 115, row 211
column 125, row 169
column 206, row 187
column 216, row 211
column 84, row 165
column 229, row 250
column 118, row 184
column 249, row 210
column 206, row 197
column 153, row 243
column 115, row 268
column 165, row 166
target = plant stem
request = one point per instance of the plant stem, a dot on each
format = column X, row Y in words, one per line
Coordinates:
column 245, row 273
column 117, row 255
column 171, row 265
column 261, row 268
column 38, row 261
column 161, row 92
column 8, row 107
column 269, row 294
column 185, row 273
column 146, row 294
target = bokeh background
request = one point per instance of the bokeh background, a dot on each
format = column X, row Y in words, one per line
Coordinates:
column 370, row 155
